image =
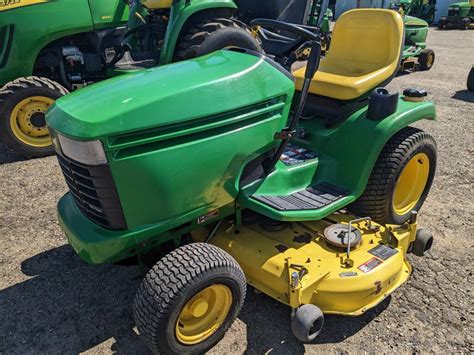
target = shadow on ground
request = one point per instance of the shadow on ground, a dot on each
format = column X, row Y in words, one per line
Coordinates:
column 68, row 306
column 269, row 326
column 464, row 95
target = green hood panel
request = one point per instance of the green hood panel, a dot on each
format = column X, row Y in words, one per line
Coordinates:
column 463, row 5
column 170, row 94
column 414, row 21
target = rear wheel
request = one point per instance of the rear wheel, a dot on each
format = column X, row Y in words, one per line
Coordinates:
column 23, row 104
column 401, row 178
column 213, row 35
column 426, row 59
column 189, row 299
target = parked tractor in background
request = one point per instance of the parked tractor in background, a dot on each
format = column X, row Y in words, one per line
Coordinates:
column 424, row 9
column 416, row 55
column 460, row 15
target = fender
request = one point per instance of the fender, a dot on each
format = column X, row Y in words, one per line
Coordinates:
column 181, row 12
column 349, row 152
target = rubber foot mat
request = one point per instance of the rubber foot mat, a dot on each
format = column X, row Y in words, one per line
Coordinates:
column 312, row 198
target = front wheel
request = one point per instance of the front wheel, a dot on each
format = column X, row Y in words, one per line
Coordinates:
column 189, row 299
column 23, row 104
column 442, row 24
column 213, row 35
column 401, row 178
column 426, row 59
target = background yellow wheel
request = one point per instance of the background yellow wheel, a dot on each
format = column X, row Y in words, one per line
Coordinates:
column 401, row 178
column 23, row 105
column 189, row 299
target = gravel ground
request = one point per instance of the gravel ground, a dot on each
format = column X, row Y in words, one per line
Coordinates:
column 52, row 302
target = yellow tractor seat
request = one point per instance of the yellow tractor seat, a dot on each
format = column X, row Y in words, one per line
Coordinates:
column 365, row 53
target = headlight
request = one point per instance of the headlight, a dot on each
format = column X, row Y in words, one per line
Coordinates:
column 89, row 153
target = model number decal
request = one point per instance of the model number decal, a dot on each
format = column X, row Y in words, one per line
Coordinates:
column 11, row 4
column 208, row 217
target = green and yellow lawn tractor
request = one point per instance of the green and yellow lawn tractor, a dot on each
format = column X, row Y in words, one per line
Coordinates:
column 460, row 15
column 416, row 55
column 424, row 9
column 229, row 169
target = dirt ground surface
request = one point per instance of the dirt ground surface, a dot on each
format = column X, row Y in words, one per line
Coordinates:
column 52, row 302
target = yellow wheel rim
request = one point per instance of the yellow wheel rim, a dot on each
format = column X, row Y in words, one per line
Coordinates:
column 411, row 184
column 430, row 60
column 27, row 121
column 203, row 314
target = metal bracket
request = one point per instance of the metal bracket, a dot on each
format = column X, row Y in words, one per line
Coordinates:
column 285, row 134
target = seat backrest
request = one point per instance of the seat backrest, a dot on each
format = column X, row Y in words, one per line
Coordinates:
column 364, row 41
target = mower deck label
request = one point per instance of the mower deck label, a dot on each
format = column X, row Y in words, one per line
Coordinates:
column 370, row 265
column 383, row 252
column 296, row 155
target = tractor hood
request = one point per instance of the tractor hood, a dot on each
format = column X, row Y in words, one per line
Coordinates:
column 220, row 82
column 460, row 4
column 411, row 21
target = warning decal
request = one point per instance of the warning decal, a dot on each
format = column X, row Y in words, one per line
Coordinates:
column 370, row 265
column 383, row 252
column 296, row 155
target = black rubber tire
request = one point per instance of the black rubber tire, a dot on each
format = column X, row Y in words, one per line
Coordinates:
column 307, row 323
column 465, row 23
column 376, row 201
column 424, row 59
column 423, row 242
column 14, row 92
column 470, row 80
column 442, row 24
column 174, row 280
column 213, row 35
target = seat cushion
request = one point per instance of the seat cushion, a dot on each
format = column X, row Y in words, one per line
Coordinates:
column 365, row 53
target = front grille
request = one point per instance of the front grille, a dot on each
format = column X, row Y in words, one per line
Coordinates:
column 453, row 12
column 94, row 191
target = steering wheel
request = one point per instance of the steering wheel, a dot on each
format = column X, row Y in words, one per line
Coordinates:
column 298, row 30
column 284, row 48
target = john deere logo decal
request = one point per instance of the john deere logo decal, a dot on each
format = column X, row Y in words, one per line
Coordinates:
column 11, row 4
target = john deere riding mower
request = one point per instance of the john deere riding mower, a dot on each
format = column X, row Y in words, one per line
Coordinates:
column 416, row 56
column 228, row 169
column 460, row 15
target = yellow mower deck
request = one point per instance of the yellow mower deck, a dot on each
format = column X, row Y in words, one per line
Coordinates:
column 270, row 259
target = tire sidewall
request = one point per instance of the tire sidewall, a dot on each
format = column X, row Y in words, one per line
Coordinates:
column 6, row 109
column 228, row 37
column 430, row 150
column 220, row 275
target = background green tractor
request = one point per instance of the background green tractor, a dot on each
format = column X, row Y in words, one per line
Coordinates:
column 415, row 53
column 424, row 9
column 460, row 15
